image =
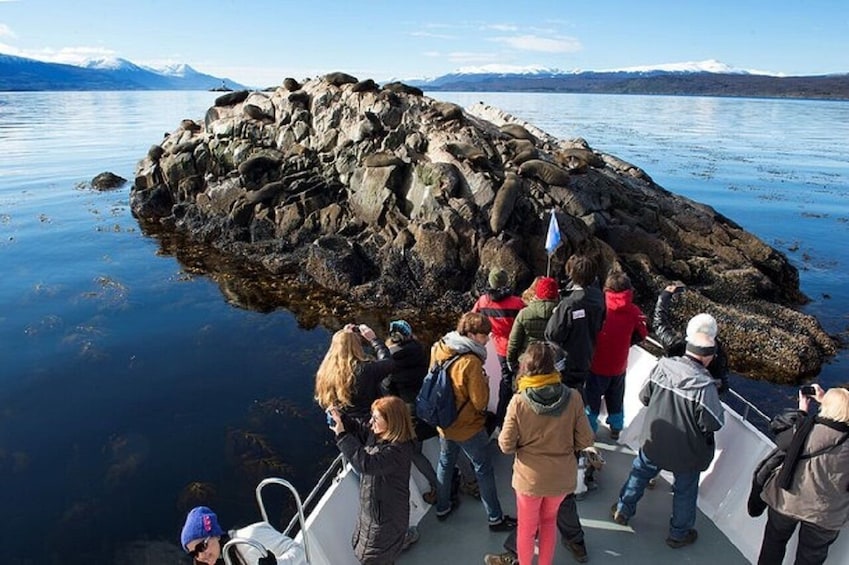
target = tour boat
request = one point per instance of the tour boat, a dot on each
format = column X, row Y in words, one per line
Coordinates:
column 727, row 534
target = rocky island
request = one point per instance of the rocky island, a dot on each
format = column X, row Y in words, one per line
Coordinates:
column 388, row 198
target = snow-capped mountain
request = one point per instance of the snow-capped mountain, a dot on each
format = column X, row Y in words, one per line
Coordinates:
column 19, row 73
column 701, row 78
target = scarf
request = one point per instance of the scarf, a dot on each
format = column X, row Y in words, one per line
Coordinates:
column 536, row 381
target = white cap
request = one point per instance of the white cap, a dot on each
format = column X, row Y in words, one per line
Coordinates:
column 701, row 323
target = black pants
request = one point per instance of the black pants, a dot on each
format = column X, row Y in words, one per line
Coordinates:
column 505, row 391
column 568, row 524
column 813, row 540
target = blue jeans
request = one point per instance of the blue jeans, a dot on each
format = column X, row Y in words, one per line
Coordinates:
column 685, row 492
column 477, row 451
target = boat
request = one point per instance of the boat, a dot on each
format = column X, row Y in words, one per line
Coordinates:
column 727, row 534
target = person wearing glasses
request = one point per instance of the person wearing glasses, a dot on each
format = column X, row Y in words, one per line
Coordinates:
column 202, row 538
column 380, row 453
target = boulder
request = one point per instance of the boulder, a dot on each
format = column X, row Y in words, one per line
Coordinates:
column 388, row 198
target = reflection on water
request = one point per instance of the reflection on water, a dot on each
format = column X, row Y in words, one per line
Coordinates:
column 142, row 375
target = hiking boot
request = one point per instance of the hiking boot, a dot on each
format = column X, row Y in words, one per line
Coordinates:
column 506, row 558
column 614, row 434
column 619, row 517
column 578, row 549
column 411, row 537
column 691, row 537
column 430, row 497
column 507, row 523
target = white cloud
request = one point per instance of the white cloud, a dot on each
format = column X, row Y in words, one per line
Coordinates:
column 470, row 57
column 66, row 55
column 541, row 44
column 6, row 31
column 432, row 54
column 502, row 27
column 431, row 35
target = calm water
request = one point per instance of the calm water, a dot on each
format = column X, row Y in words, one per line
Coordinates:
column 128, row 374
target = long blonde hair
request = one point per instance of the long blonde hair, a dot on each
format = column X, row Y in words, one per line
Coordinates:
column 399, row 423
column 334, row 379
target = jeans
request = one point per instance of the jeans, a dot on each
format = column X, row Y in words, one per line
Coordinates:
column 613, row 391
column 476, row 448
column 813, row 540
column 685, row 492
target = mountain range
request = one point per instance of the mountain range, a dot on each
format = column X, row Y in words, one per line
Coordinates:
column 704, row 78
column 20, row 73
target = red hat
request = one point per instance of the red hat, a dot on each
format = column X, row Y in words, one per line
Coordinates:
column 546, row 288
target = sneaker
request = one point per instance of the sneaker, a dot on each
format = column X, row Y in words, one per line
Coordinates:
column 430, row 497
column 578, row 549
column 411, row 537
column 688, row 539
column 619, row 517
column 506, row 558
column 442, row 516
column 506, row 524
column 614, row 434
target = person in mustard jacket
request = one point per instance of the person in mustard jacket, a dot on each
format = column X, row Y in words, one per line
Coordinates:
column 468, row 432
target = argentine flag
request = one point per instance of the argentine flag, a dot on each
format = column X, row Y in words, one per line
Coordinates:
column 552, row 239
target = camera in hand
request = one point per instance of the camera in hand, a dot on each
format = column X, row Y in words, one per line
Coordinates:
column 808, row 390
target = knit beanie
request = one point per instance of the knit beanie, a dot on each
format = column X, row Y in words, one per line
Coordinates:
column 201, row 522
column 546, row 288
column 400, row 330
column 498, row 278
column 702, row 323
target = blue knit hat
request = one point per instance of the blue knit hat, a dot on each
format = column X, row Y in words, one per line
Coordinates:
column 201, row 523
column 400, row 330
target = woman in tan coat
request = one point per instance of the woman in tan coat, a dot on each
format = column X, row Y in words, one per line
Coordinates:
column 545, row 426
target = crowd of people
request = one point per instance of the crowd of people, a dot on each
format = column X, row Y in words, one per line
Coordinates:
column 562, row 351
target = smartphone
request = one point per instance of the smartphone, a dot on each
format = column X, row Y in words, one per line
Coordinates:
column 330, row 421
column 808, row 390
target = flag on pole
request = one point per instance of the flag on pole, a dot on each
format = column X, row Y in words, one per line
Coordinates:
column 552, row 239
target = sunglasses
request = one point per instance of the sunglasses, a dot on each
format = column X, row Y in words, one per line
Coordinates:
column 199, row 548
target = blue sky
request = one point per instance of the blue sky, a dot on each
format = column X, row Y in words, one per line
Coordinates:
column 259, row 42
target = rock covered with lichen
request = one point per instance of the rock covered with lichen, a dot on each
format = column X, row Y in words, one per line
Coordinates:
column 392, row 198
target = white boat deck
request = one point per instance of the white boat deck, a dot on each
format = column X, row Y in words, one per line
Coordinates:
column 465, row 538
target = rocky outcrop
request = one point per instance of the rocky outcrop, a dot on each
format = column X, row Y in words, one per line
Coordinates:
column 390, row 198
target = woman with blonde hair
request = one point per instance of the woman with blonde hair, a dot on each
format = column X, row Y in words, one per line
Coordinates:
column 545, row 427
column 347, row 378
column 811, row 487
column 380, row 452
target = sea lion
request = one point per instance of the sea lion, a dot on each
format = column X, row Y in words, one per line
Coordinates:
column 190, row 125
column 367, row 85
column 155, row 153
column 382, row 159
column 291, row 84
column 524, row 156
column 254, row 168
column 544, row 171
column 211, row 115
column 578, row 159
column 267, row 192
column 299, row 98
column 400, row 87
column 338, row 79
column 448, row 111
column 505, row 200
column 517, row 132
column 231, row 98
column 470, row 153
column 257, row 113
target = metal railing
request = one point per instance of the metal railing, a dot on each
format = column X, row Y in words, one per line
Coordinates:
column 321, row 486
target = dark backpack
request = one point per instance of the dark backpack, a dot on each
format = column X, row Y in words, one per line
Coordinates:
column 435, row 401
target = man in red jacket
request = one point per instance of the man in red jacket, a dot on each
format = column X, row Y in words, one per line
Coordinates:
column 624, row 324
column 501, row 306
